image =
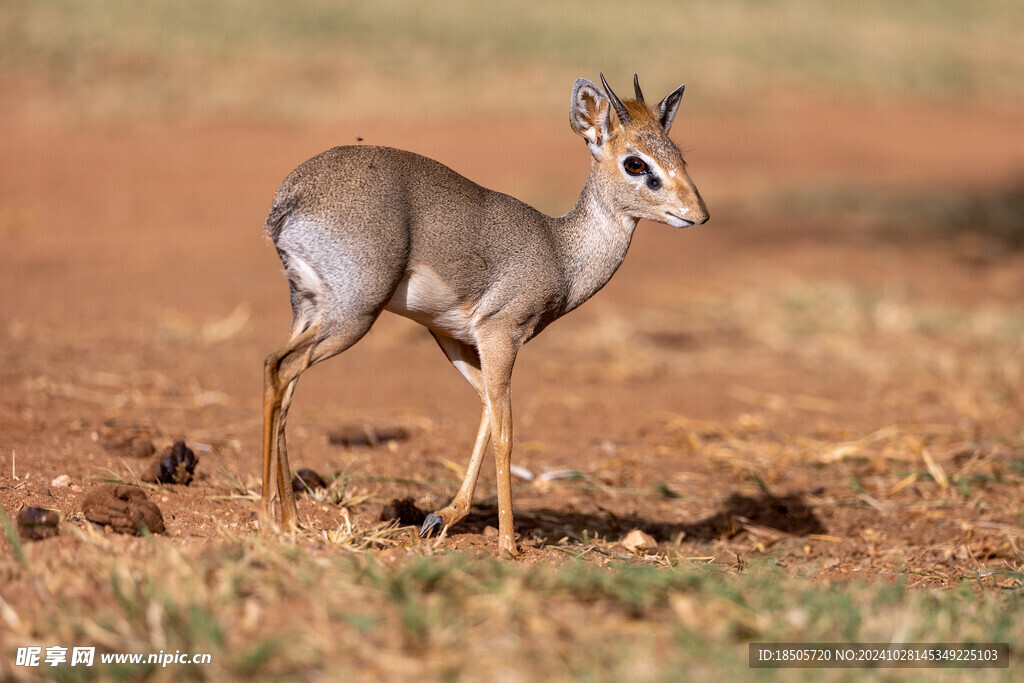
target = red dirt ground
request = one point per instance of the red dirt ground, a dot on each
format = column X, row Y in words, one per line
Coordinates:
column 138, row 291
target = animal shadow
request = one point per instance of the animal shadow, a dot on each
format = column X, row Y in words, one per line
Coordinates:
column 787, row 514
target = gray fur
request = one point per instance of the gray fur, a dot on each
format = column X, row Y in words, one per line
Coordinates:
column 362, row 216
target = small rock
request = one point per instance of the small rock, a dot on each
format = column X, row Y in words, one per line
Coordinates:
column 35, row 523
column 176, row 465
column 307, row 480
column 62, row 481
column 490, row 532
column 636, row 541
column 125, row 509
column 405, row 511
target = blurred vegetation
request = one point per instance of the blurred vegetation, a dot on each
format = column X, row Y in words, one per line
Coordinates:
column 997, row 216
column 982, row 223
column 292, row 610
column 321, row 58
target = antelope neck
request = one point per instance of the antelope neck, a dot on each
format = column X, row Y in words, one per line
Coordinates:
column 592, row 239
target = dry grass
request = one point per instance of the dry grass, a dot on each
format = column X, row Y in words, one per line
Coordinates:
column 415, row 613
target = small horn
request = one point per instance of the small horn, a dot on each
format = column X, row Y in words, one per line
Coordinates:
column 620, row 109
column 636, row 89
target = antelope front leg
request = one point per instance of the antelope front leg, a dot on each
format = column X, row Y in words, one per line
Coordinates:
column 440, row 520
column 501, row 427
column 497, row 370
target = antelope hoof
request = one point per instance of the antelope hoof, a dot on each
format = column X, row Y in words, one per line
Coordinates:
column 433, row 523
column 509, row 552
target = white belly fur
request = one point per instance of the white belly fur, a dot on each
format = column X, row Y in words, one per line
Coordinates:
column 424, row 297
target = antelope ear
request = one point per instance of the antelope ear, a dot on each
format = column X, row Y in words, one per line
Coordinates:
column 668, row 107
column 588, row 115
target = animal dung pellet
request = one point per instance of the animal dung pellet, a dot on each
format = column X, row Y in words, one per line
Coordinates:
column 404, row 510
column 307, row 480
column 125, row 509
column 130, row 440
column 176, row 465
column 35, row 523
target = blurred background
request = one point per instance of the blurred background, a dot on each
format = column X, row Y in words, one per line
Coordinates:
column 318, row 59
column 139, row 135
column 862, row 162
column 809, row 97
column 847, row 150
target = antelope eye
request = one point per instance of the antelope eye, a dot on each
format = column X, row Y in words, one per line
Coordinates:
column 634, row 166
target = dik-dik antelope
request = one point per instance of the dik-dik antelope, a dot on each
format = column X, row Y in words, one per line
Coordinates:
column 364, row 229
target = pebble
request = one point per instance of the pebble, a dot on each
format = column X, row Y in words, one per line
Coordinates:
column 637, row 541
